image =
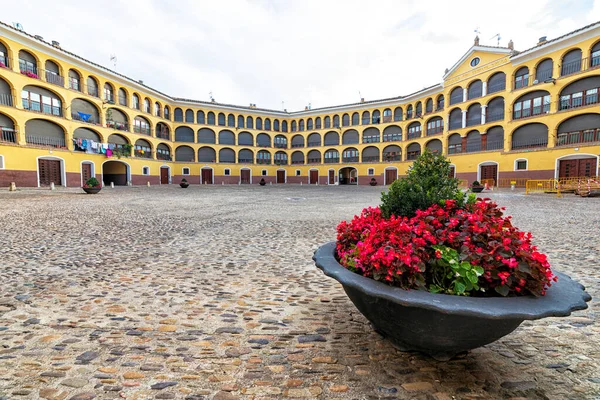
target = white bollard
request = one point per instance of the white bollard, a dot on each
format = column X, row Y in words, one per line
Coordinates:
column 222, row 183
column 52, row 186
column 270, row 183
column 148, row 183
column 300, row 183
column 512, row 187
column 112, row 185
column 12, row 187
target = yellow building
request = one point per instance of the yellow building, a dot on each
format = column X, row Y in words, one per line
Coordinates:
column 499, row 114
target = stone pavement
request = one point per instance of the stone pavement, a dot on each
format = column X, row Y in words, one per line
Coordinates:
column 211, row 293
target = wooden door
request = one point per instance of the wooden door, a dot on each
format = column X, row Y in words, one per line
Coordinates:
column 50, row 171
column 313, row 177
column 489, row 172
column 587, row 167
column 576, row 168
column 207, row 176
column 331, row 177
column 452, row 172
column 390, row 176
column 280, row 176
column 86, row 172
column 245, row 176
column 164, row 175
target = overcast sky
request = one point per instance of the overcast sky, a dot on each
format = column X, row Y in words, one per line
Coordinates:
column 321, row 52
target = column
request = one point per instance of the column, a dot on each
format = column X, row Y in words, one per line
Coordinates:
column 464, row 118
column 484, row 89
column 465, row 94
column 483, row 114
column 463, row 144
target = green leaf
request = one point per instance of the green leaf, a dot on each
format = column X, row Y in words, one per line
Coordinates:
column 524, row 267
column 502, row 290
column 459, row 287
column 478, row 270
column 472, row 276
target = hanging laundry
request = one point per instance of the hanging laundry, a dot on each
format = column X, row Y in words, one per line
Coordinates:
column 109, row 153
column 84, row 117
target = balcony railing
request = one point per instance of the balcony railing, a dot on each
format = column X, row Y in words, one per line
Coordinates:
column 494, row 145
column 496, row 87
column 45, row 141
column 435, row 131
column 371, row 139
column 6, row 100
column 532, row 111
column 120, row 126
column 8, row 134
column 55, row 79
column 314, row 160
column 41, row 108
column 281, row 162
column 164, row 157
column 143, row 153
column 297, row 162
column 577, row 137
column 414, row 135
column 580, row 99
column 314, row 144
column 142, row 130
column 296, row 145
column 370, row 159
column 350, row 159
column 531, row 144
column 392, row 157
column 280, row 145
column 494, row 116
column 263, row 161
column 572, row 67
column 543, row 75
column 162, row 135
column 392, row 138
column 77, row 117
column 92, row 90
column 332, row 160
column 245, row 160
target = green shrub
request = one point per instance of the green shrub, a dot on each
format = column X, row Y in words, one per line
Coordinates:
column 184, row 180
column 476, row 183
column 92, row 182
column 428, row 182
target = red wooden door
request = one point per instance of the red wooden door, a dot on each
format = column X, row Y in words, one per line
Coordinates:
column 207, row 176
column 331, row 177
column 245, row 176
column 280, row 176
column 164, row 176
column 390, row 176
column 587, row 167
column 452, row 172
column 489, row 172
column 86, row 172
column 50, row 171
column 313, row 177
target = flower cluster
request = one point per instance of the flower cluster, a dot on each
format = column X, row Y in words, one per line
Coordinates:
column 417, row 253
column 30, row 74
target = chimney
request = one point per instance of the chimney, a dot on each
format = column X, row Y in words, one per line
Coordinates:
column 362, row 99
column 476, row 43
column 141, row 82
column 56, row 44
column 305, row 108
column 542, row 40
column 511, row 45
column 38, row 37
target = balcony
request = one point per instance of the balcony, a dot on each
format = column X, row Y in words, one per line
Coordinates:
column 164, row 157
column 581, row 99
column 494, row 145
column 314, row 161
column 44, row 109
column 314, row 144
column 392, row 157
column 77, row 117
column 296, row 145
column 370, row 159
column 531, row 144
column 142, row 153
column 245, row 160
column 163, row 135
column 371, row 139
column 28, row 70
column 435, row 131
column 578, row 137
column 46, row 141
column 531, row 112
column 142, row 130
column 55, row 79
column 8, row 135
column 414, row 135
column 495, row 116
column 6, row 100
column 297, row 162
column 392, row 138
column 263, row 161
column 350, row 159
column 280, row 162
column 332, row 160
column 120, row 126
column 280, row 145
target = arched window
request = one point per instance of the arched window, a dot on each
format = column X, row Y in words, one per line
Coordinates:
column 221, row 119
column 259, row 123
column 200, row 117
column 336, row 121
column 346, row 120
column 456, row 95
column 318, row 123
column 267, row 124
column 231, row 120
column 327, row 122
column 571, row 62
column 189, row 116
column 398, row 114
column 543, row 71
column 522, row 78
column 249, row 122
column 210, row 118
column 178, row 115
column 301, row 125
column 309, row 124
column 240, row 122
column 366, row 118
column 355, row 119
column 496, row 82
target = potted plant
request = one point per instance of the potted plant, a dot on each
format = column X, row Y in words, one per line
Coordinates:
column 438, row 271
column 476, row 187
column 184, row 183
column 92, row 186
column 262, row 182
column 373, row 182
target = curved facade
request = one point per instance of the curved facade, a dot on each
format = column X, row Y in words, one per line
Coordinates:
column 515, row 115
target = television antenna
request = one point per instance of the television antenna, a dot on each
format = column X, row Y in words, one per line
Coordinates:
column 113, row 59
column 497, row 35
column 18, row 26
column 210, row 96
column 477, row 31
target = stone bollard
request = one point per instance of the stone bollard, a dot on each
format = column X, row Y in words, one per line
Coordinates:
column 300, row 183
column 148, row 183
column 270, row 183
column 52, row 186
column 129, row 183
column 12, row 187
column 112, row 185
column 222, row 183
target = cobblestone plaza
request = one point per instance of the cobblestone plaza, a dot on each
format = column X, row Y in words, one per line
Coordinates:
column 211, row 293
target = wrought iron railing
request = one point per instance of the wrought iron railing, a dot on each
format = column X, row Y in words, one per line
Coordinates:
column 45, row 141
column 54, row 78
column 530, row 144
column 8, row 134
column 577, row 137
column 6, row 99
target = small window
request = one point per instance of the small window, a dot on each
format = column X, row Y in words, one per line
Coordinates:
column 521, row 165
column 145, row 171
column 227, row 172
column 475, row 62
column 371, row 171
column 1, row 162
column 185, row 171
column 264, row 172
column 297, row 172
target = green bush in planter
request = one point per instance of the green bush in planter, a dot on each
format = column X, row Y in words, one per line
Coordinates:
column 428, row 182
column 92, row 182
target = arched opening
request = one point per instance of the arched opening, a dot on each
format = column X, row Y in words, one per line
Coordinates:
column 414, row 130
column 92, row 86
column 474, row 114
column 44, row 133
column 530, row 136
column 521, row 78
column 456, row 95
column 167, row 113
column 495, row 110
column 391, row 174
column 336, row 121
column 409, row 112
column 332, row 138
column 571, row 62
column 488, row 173
column 318, row 123
column 392, row 133
column 428, row 106
column 348, row 176
column 135, row 101
column 227, row 155
column 298, row 140
column 231, row 120
column 280, row 142
column 298, row 157
column 226, row 137
column 240, row 122
column 178, row 115
column 350, row 155
column 583, row 128
column 200, row 117
column 439, row 103
column 531, row 104
column 259, row 123
column 85, row 111
column 350, row 137
column 189, row 116
column 116, row 172
column 496, row 82
column 117, row 119
column 577, row 165
column 583, row 92
column 246, row 156
column 370, row 154
column 327, row 122
column 276, row 125
column 475, row 90
column 284, row 126
column 184, row 153
column 346, row 120
column 88, row 170
column 263, row 140
column 454, row 144
column 249, row 123
column 314, row 157
column 263, row 157
column 543, row 71
column 392, row 153
column 207, row 155
column 435, row 126
column 418, row 110
column 118, row 145
column 109, row 93
column 355, row 119
column 398, row 114
column 206, row 135
column 52, row 74
column 35, row 98
column 376, row 117
column 280, row 158
column 455, row 118
column 210, row 118
column 28, row 64
column 184, row 134
column 163, row 152
column 142, row 149
column 413, row 151
column 494, row 138
column 332, row 156
column 245, row 139
column 314, row 140
column 142, row 126
column 371, row 135
column 473, row 141
column 7, row 129
column 162, row 131
column 84, row 140
column 434, row 146
column 74, row 80
column 221, row 119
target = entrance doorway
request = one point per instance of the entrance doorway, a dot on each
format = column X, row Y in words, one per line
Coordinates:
column 49, row 171
column 331, row 177
column 348, row 176
column 313, row 176
column 86, row 172
column 245, row 177
column 207, row 176
column 164, row 175
column 489, row 173
column 280, row 176
column 577, row 168
column 116, row 172
column 391, row 175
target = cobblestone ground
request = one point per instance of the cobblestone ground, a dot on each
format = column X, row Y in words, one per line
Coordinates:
column 211, row 293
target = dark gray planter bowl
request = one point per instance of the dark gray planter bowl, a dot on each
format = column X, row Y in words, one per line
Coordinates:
column 443, row 325
column 92, row 190
column 477, row 189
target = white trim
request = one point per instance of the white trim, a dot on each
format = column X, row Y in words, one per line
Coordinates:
column 485, row 163
column 298, row 173
column 348, row 166
column 249, row 169
column 318, row 176
column 189, row 171
column 526, row 165
column 493, row 50
column 385, row 183
column 334, row 176
column 454, row 166
column 159, row 174
column 284, row 175
column 212, row 174
column 81, row 170
column 575, row 157
column 369, row 170
column 63, row 171
column 264, row 172
column 225, row 172
column 2, row 166
column 127, row 170
column 145, row 166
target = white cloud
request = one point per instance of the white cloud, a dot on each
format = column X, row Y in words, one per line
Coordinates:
column 269, row 51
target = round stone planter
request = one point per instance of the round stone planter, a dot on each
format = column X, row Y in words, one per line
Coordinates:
column 91, row 190
column 184, row 184
column 476, row 189
column 443, row 325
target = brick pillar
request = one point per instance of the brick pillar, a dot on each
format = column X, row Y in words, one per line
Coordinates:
column 464, row 144
column 483, row 141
